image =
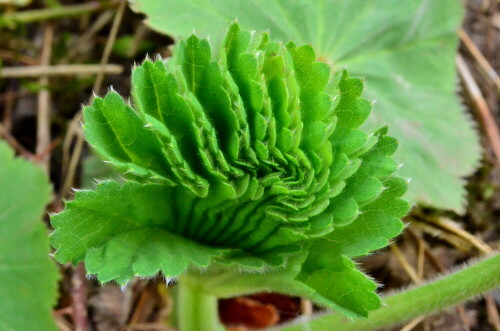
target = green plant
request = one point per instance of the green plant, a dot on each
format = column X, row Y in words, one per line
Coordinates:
column 246, row 171
column 28, row 277
column 404, row 49
column 446, row 291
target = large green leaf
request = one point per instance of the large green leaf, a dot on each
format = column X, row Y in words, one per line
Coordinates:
column 28, row 277
column 405, row 50
column 244, row 163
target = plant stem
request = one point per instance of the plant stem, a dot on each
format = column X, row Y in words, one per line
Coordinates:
column 447, row 291
column 197, row 309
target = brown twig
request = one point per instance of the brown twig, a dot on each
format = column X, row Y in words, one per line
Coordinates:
column 14, row 143
column 75, row 157
column 490, row 127
column 139, row 35
column 79, row 290
column 73, row 164
column 420, row 259
column 306, row 307
column 410, row 326
column 14, row 94
column 149, row 327
column 45, row 14
column 86, row 37
column 490, row 30
column 109, row 46
column 72, row 131
column 450, row 226
column 441, row 268
column 9, row 105
column 60, row 70
column 13, row 57
column 491, row 309
column 50, row 147
column 410, row 271
column 405, row 264
column 436, row 231
column 43, row 101
column 61, row 323
column 431, row 257
column 484, row 66
column 79, row 295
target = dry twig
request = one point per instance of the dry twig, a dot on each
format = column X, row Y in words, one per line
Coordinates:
column 79, row 290
column 43, row 101
column 491, row 309
column 489, row 124
column 60, row 70
column 74, row 125
column 485, row 67
column 109, row 47
column 450, row 226
column 410, row 271
column 86, row 37
column 39, row 15
column 422, row 246
column 14, row 57
column 79, row 295
column 405, row 264
column 14, row 143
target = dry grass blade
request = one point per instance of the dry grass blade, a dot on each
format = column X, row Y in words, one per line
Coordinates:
column 422, row 246
column 149, row 327
column 487, row 119
column 410, row 326
column 43, row 101
column 485, row 67
column 75, row 157
column 420, row 259
column 414, row 277
column 60, row 70
column 452, row 227
column 84, row 39
column 306, row 307
column 109, row 46
column 5, row 134
column 73, row 163
column 21, row 58
column 39, row 15
column 491, row 308
column 80, row 307
column 405, row 264
column 79, row 294
column 440, row 233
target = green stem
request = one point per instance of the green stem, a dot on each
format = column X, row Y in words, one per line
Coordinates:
column 445, row 292
column 197, row 309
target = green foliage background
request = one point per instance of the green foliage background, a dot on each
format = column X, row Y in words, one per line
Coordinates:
column 28, row 277
column 405, row 51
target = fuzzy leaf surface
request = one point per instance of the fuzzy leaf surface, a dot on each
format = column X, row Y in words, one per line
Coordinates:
column 28, row 277
column 404, row 50
column 240, row 162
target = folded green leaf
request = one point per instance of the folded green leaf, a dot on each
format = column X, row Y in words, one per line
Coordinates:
column 241, row 163
column 405, row 50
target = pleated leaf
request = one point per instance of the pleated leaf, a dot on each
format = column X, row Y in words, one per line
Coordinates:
column 405, row 50
column 239, row 162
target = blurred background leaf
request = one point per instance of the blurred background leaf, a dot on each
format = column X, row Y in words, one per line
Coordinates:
column 28, row 276
column 404, row 50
